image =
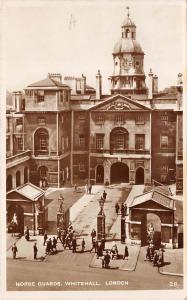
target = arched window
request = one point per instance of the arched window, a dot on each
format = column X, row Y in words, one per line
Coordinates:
column 9, row 183
column 119, row 139
column 18, row 178
column 127, row 33
column 25, row 175
column 41, row 142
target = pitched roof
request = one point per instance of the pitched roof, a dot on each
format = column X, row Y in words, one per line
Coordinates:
column 48, row 82
column 155, row 196
column 30, row 191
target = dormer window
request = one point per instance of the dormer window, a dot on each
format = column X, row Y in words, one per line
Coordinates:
column 40, row 96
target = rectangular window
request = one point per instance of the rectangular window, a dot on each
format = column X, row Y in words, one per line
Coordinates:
column 19, row 121
column 164, row 119
column 140, row 142
column 119, row 141
column 40, row 96
column 43, row 143
column 61, row 97
column 99, row 119
column 81, row 140
column 140, row 119
column 163, row 141
column 164, row 173
column 8, row 144
column 82, row 167
column 120, row 118
column 99, row 141
column 41, row 121
column 19, row 143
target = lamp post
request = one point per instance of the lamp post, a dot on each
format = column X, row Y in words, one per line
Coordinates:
column 123, row 225
column 101, row 221
column 60, row 213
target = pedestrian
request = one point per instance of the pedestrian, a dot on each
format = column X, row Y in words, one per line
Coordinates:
column 148, row 253
column 93, row 234
column 74, row 245
column 67, row 242
column 94, row 245
column 90, row 189
column 63, row 236
column 126, row 253
column 54, row 245
column 75, row 188
column 45, row 238
column 117, row 207
column 83, row 245
column 106, row 260
column 104, row 195
column 14, row 250
column 27, row 234
column 155, row 258
column 35, row 250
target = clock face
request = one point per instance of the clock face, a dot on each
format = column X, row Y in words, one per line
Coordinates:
column 127, row 62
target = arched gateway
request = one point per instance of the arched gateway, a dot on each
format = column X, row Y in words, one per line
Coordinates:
column 119, row 173
column 139, row 176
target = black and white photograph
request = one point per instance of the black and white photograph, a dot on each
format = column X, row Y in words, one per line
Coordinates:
column 94, row 146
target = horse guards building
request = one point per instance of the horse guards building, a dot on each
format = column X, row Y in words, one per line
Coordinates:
column 61, row 131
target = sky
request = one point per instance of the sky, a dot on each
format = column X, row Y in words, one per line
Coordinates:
column 75, row 38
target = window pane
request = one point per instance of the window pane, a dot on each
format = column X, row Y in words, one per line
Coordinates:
column 99, row 141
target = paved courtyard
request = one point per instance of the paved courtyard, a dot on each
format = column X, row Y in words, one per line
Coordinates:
column 85, row 210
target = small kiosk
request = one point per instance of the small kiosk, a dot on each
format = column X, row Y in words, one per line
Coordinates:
column 26, row 207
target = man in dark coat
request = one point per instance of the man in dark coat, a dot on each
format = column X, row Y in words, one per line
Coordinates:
column 106, row 260
column 117, row 207
column 45, row 238
column 14, row 250
column 54, row 244
column 104, row 195
column 93, row 234
column 35, row 251
column 74, row 245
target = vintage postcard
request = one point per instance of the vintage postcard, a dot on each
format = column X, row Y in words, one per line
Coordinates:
column 94, row 149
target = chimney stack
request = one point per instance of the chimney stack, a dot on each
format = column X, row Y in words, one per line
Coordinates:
column 83, row 85
column 150, row 84
column 55, row 76
column 98, row 85
column 179, row 81
column 17, row 101
column 155, row 84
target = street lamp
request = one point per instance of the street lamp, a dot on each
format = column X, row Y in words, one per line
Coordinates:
column 60, row 213
column 101, row 221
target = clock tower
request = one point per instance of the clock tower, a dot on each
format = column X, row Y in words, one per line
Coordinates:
column 128, row 77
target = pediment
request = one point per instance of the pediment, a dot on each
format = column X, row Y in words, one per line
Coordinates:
column 152, row 205
column 119, row 103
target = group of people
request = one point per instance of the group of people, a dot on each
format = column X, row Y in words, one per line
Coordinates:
column 122, row 208
column 154, row 255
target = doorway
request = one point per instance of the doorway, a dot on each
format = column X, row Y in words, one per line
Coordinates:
column 139, row 176
column 100, row 174
column 119, row 173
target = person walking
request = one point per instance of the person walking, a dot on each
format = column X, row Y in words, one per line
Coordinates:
column 86, row 189
column 83, row 245
column 93, row 234
column 94, row 245
column 106, row 260
column 104, row 195
column 14, row 250
column 90, row 189
column 117, row 207
column 35, row 250
column 74, row 245
column 45, row 238
column 126, row 253
column 54, row 245
column 27, row 234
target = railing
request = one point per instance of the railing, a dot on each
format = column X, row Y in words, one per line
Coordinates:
column 120, row 151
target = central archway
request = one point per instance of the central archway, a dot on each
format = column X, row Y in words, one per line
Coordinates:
column 119, row 173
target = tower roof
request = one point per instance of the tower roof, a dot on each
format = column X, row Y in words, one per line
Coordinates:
column 127, row 45
column 128, row 22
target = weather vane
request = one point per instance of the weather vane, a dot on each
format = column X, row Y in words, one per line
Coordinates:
column 128, row 11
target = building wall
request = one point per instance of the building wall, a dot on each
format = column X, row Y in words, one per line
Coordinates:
column 163, row 157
